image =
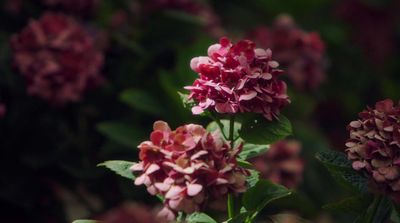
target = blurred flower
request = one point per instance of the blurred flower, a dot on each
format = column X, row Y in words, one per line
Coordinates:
column 58, row 59
column 299, row 52
column 3, row 110
column 128, row 212
column 374, row 144
column 281, row 163
column 195, row 7
column 238, row 78
column 189, row 167
column 372, row 27
column 80, row 7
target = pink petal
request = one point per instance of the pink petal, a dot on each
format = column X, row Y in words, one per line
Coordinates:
column 221, row 181
column 162, row 186
column 166, row 215
column 194, row 189
column 248, row 96
column 161, row 126
column 137, row 167
column 141, row 179
column 198, row 154
column 261, row 53
column 273, row 64
column 196, row 110
column 213, row 49
column 152, row 168
column 173, row 192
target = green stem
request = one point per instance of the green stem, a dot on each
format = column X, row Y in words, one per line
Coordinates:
column 219, row 123
column 375, row 205
column 231, row 208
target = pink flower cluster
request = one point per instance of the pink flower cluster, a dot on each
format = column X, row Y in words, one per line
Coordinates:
column 281, row 163
column 58, row 59
column 300, row 53
column 238, row 78
column 189, row 167
column 374, row 146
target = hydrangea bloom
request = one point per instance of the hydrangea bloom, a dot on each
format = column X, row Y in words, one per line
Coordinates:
column 281, row 163
column 58, row 59
column 300, row 53
column 189, row 167
column 238, row 78
column 374, row 144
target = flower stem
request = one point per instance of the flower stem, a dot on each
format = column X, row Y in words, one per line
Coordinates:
column 375, row 205
column 231, row 208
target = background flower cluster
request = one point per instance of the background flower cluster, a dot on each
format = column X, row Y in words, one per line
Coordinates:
column 82, row 81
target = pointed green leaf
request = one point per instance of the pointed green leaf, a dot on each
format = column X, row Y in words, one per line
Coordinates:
column 120, row 167
column 121, row 133
column 213, row 126
column 252, row 150
column 356, row 204
column 199, row 218
column 253, row 178
column 264, row 192
column 259, row 130
column 341, row 169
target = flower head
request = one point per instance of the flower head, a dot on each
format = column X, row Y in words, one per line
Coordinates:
column 299, row 52
column 374, row 145
column 189, row 167
column 281, row 163
column 238, row 78
column 58, row 59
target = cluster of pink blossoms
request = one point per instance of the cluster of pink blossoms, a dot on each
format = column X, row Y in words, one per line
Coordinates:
column 281, row 163
column 374, row 146
column 189, row 167
column 58, row 59
column 300, row 53
column 238, row 78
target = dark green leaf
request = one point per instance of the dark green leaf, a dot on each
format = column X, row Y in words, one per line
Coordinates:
column 252, row 150
column 119, row 132
column 259, row 130
column 340, row 168
column 257, row 197
column 356, row 204
column 199, row 218
column 142, row 101
column 378, row 211
column 120, row 167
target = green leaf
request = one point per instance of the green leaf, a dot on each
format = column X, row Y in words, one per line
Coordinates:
column 245, row 164
column 85, row 221
column 264, row 192
column 121, row 133
column 120, row 167
column 187, row 103
column 142, row 101
column 341, row 169
column 379, row 211
column 240, row 218
column 199, row 218
column 356, row 204
column 253, row 178
column 252, row 150
column 259, row 130
column 213, row 126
